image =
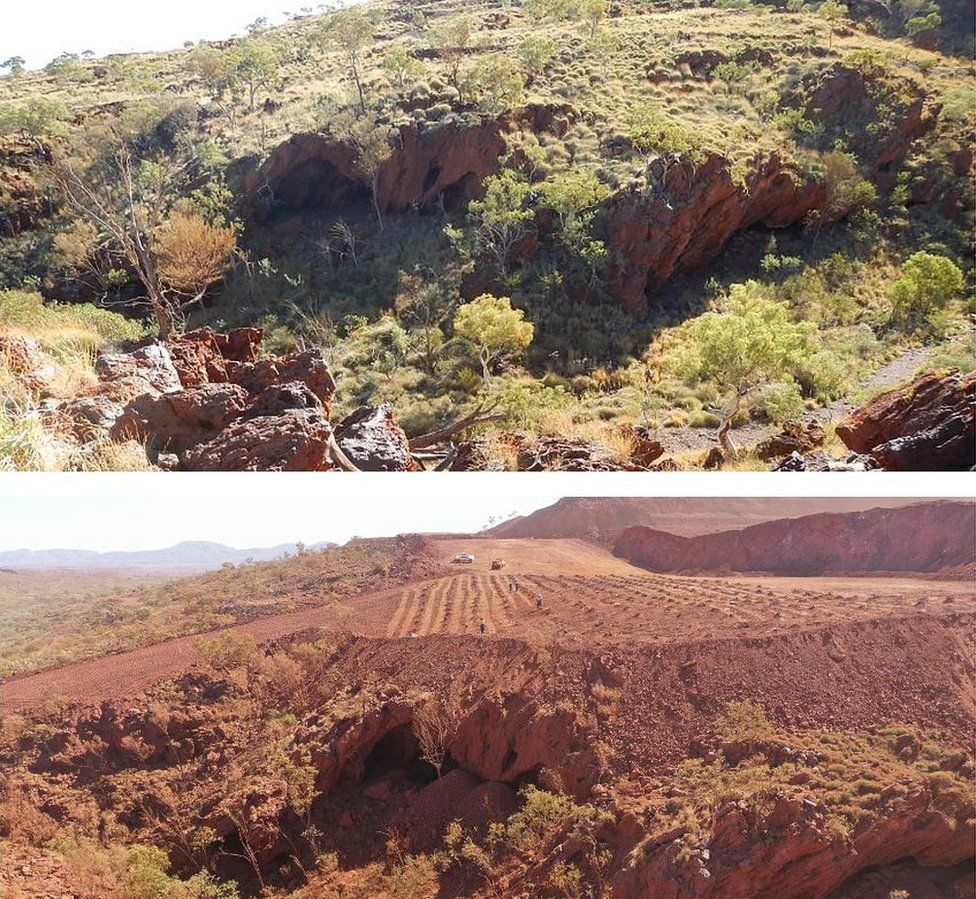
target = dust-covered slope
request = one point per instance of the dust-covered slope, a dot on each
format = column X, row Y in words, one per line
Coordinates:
column 604, row 517
column 926, row 538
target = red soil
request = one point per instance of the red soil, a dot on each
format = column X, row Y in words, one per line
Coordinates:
column 595, row 603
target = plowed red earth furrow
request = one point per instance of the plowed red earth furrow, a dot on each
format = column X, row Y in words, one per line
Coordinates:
column 395, row 628
column 615, row 604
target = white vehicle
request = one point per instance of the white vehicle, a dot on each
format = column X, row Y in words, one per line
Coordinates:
column 465, row 558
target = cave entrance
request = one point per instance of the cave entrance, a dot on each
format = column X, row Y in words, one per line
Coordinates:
column 398, row 750
column 456, row 195
column 318, row 184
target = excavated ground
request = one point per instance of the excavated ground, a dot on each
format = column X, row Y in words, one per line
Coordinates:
column 605, row 692
column 813, row 647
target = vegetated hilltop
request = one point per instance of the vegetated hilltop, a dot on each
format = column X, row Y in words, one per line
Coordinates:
column 39, row 633
column 188, row 556
column 605, row 517
column 531, row 209
column 636, row 735
column 927, row 537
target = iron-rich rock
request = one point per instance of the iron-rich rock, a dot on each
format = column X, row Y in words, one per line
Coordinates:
column 373, row 441
column 296, row 440
column 796, row 436
column 929, row 424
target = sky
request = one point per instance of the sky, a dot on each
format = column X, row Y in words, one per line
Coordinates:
column 43, row 29
column 107, row 512
column 244, row 513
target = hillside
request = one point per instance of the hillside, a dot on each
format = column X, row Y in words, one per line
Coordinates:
column 928, row 537
column 372, row 188
column 567, row 725
column 45, row 627
column 605, row 518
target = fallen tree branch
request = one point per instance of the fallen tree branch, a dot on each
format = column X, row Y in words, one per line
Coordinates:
column 339, row 457
column 448, row 460
column 443, row 434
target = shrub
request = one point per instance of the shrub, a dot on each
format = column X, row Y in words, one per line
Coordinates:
column 742, row 721
column 928, row 284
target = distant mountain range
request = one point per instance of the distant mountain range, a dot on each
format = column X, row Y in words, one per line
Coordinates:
column 189, row 556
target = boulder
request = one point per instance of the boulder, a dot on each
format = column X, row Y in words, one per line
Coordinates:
column 211, row 394
column 308, row 367
column 25, row 359
column 174, row 422
column 647, row 449
column 279, row 398
column 929, row 424
column 296, row 440
column 148, row 369
column 90, row 417
column 373, row 441
column 200, row 356
column 796, row 437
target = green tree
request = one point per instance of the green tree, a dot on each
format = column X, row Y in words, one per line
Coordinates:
column 352, row 31
column 535, row 53
column 14, row 65
column 749, row 341
column 495, row 328
column 593, row 12
column 574, row 197
column 372, row 147
column 256, row 64
column 502, row 219
column 400, row 66
column 215, row 68
column 498, row 81
column 832, row 12
column 38, row 118
column 734, row 74
column 653, row 133
column 453, row 41
column 554, row 10
column 928, row 284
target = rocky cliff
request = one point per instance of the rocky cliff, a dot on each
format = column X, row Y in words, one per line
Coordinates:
column 924, row 538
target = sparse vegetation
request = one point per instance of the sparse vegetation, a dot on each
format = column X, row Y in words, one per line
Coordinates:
column 573, row 117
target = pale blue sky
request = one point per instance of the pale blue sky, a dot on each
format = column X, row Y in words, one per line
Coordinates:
column 40, row 30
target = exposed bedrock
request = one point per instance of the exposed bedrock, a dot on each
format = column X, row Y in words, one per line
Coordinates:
column 426, row 168
column 690, row 212
column 787, row 849
column 849, row 102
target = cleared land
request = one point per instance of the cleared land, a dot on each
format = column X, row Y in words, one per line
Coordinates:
column 588, row 598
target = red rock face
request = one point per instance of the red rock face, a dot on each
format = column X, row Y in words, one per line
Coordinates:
column 789, row 851
column 208, row 402
column 926, row 538
column 846, row 101
column 683, row 223
column 928, row 425
column 296, row 440
column 22, row 202
column 311, row 170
